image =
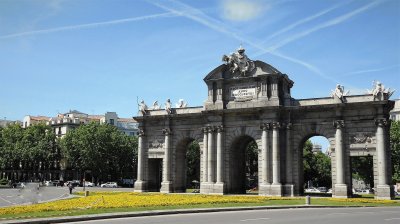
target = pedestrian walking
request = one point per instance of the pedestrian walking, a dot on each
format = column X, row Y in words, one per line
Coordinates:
column 70, row 187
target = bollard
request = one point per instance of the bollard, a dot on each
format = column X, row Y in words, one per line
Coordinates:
column 308, row 200
column 86, row 193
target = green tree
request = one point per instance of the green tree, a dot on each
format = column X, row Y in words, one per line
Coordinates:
column 11, row 150
column 395, row 149
column 362, row 169
column 317, row 166
column 100, row 148
column 192, row 163
column 252, row 158
column 38, row 147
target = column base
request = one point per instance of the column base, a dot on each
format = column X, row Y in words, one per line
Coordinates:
column 385, row 192
column 212, row 188
column 219, row 188
column 288, row 190
column 341, row 191
column 277, row 190
column 166, row 187
column 264, row 189
column 141, row 186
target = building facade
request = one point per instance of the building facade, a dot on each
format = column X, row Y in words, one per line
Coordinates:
column 251, row 101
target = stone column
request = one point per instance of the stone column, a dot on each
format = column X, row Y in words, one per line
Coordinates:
column 383, row 188
column 140, row 184
column 340, row 186
column 210, row 162
column 289, row 190
column 166, row 185
column 219, row 185
column 276, row 171
column 276, row 187
column 220, row 161
column 205, row 154
column 265, row 183
column 265, row 155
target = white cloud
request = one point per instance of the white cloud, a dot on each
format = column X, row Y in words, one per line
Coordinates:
column 242, row 10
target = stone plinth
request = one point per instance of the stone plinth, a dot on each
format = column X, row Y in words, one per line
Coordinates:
column 141, row 186
column 264, row 189
column 277, row 190
column 166, row 187
column 384, row 192
column 288, row 190
column 340, row 191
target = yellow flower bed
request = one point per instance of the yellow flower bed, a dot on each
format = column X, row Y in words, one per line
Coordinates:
column 363, row 200
column 133, row 200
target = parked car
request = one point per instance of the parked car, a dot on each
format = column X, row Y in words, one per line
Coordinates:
column 88, row 184
column 75, row 183
column 18, row 185
column 312, row 190
column 48, row 183
column 109, row 184
column 58, row 183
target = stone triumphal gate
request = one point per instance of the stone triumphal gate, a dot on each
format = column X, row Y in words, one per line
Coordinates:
column 251, row 101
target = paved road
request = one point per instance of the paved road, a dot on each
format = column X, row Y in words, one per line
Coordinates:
column 30, row 194
column 385, row 215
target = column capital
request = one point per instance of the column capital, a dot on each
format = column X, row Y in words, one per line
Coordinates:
column 276, row 125
column 167, row 131
column 204, row 130
column 210, row 129
column 220, row 128
column 381, row 122
column 265, row 126
column 338, row 124
column 141, row 133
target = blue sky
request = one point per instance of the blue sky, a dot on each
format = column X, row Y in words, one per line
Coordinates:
column 100, row 55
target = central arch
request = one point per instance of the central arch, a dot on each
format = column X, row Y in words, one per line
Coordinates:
column 242, row 172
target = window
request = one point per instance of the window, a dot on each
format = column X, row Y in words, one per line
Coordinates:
column 112, row 121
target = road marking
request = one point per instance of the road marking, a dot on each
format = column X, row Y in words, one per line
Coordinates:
column 245, row 220
column 7, row 201
column 391, row 219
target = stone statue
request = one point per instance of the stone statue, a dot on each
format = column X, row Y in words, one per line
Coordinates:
column 156, row 106
column 380, row 92
column 142, row 107
column 168, row 106
column 181, row 104
column 239, row 62
column 339, row 92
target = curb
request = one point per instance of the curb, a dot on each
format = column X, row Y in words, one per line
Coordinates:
column 157, row 212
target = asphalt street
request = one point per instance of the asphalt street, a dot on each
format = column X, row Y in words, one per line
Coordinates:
column 299, row 216
column 31, row 194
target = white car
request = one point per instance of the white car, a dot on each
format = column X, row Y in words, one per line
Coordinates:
column 88, row 184
column 312, row 190
column 109, row 184
column 48, row 183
